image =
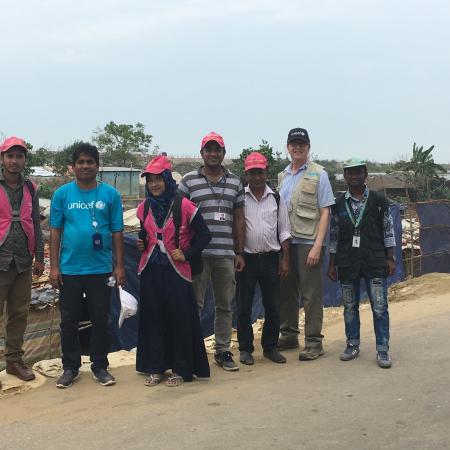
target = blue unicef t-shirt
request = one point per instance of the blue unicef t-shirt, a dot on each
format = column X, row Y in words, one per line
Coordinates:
column 74, row 210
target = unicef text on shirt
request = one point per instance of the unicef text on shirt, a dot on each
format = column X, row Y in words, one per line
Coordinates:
column 90, row 205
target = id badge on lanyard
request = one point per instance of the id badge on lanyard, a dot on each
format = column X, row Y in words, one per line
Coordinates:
column 161, row 245
column 97, row 241
column 356, row 239
column 220, row 216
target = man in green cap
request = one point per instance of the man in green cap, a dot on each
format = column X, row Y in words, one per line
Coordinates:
column 362, row 245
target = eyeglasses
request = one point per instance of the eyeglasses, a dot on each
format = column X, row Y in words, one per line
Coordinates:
column 299, row 144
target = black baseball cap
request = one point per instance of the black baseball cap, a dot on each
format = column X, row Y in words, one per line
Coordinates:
column 298, row 134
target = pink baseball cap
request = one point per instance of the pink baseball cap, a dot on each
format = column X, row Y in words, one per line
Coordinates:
column 255, row 161
column 213, row 137
column 12, row 142
column 157, row 165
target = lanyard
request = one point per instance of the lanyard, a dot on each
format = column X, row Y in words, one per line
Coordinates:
column 92, row 210
column 357, row 220
column 216, row 197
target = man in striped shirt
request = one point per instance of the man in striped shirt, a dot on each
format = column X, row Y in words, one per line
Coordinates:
column 220, row 197
column 267, row 232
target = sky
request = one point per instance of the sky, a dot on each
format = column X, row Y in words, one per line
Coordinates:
column 365, row 78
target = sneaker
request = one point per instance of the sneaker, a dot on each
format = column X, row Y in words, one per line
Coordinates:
column 310, row 353
column 351, row 352
column 103, row 377
column 383, row 359
column 225, row 360
column 67, row 378
column 246, row 358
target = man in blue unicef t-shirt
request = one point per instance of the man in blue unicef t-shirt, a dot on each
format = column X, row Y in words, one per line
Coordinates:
column 86, row 224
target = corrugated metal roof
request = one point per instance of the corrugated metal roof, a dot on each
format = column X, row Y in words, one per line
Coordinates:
column 41, row 172
column 118, row 169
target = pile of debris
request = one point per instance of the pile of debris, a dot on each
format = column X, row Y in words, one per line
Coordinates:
column 411, row 243
column 410, row 233
column 130, row 221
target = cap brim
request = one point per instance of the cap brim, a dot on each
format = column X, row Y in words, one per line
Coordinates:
column 4, row 150
column 147, row 172
column 256, row 166
column 354, row 165
column 221, row 144
column 298, row 139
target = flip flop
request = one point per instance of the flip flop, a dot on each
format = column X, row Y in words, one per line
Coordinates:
column 174, row 380
column 153, row 379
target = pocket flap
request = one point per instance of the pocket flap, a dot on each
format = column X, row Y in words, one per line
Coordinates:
column 309, row 188
column 306, row 213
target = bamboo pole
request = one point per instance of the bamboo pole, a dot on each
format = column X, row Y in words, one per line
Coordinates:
column 412, row 243
column 51, row 326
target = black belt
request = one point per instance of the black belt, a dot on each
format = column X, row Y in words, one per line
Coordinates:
column 261, row 255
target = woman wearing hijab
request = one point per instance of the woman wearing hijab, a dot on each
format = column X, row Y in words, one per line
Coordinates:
column 169, row 335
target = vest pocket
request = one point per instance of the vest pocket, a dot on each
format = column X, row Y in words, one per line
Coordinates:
column 308, row 194
column 307, row 222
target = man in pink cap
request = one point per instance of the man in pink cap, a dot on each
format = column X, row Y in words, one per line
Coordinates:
column 20, row 242
column 267, row 233
column 219, row 195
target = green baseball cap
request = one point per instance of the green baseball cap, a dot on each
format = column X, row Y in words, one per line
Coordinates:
column 354, row 162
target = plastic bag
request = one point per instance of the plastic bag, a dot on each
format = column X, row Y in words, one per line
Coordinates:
column 128, row 305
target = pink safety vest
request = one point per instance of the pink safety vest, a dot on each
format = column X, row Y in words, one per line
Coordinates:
column 188, row 211
column 25, row 216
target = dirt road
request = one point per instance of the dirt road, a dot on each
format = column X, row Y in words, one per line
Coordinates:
column 323, row 404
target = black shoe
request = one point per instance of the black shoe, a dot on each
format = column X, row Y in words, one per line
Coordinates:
column 274, row 355
column 246, row 358
column 104, row 377
column 351, row 352
column 67, row 378
column 225, row 360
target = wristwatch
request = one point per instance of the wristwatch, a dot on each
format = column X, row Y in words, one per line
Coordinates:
column 392, row 258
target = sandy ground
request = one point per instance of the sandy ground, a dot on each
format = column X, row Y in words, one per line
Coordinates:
column 312, row 405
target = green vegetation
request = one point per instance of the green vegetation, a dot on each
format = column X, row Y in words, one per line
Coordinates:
column 422, row 170
column 129, row 145
column 122, row 143
column 276, row 162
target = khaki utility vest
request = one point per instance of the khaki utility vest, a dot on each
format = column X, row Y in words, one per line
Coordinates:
column 304, row 212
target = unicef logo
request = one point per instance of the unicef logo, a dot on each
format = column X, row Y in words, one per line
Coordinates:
column 100, row 205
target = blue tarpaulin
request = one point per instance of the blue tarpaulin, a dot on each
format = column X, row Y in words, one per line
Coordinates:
column 434, row 218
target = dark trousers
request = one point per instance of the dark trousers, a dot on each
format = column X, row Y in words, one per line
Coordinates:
column 263, row 269
column 71, row 304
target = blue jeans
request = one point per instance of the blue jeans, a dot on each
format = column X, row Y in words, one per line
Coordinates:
column 377, row 290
